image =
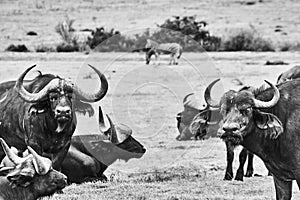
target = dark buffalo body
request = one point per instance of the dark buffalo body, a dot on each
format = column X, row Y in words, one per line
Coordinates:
column 290, row 74
column 197, row 123
column 266, row 122
column 90, row 155
column 41, row 113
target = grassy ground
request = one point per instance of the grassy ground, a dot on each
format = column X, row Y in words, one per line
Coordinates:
column 147, row 98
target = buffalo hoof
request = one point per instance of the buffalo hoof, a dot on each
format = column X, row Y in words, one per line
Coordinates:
column 239, row 176
column 228, row 177
column 249, row 173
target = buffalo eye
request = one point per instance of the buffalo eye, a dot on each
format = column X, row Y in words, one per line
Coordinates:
column 53, row 97
column 69, row 95
column 246, row 111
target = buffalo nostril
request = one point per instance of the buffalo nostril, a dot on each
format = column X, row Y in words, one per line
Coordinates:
column 228, row 129
column 225, row 129
column 234, row 129
column 63, row 111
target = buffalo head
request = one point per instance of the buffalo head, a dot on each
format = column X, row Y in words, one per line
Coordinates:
column 241, row 112
column 32, row 172
column 59, row 94
column 121, row 136
column 195, row 121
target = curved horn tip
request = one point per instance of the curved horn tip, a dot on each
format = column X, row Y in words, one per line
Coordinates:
column 3, row 143
column 27, row 70
column 31, row 150
column 94, row 68
column 32, row 66
column 207, row 96
column 11, row 155
column 186, row 96
column 42, row 164
column 22, row 76
column 268, row 82
column 217, row 80
column 272, row 102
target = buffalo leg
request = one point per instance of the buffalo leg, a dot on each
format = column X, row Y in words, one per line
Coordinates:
column 250, row 170
column 230, row 156
column 59, row 158
column 242, row 158
column 283, row 189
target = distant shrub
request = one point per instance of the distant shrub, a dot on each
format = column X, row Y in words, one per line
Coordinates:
column 44, row 48
column 100, row 35
column 70, row 40
column 191, row 34
column 247, row 40
column 186, row 31
column 63, row 47
column 289, row 46
column 195, row 30
column 17, row 48
column 65, row 30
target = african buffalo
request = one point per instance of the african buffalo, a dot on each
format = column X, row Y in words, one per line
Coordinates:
column 185, row 118
column 28, row 178
column 290, row 74
column 198, row 123
column 266, row 122
column 90, row 155
column 41, row 113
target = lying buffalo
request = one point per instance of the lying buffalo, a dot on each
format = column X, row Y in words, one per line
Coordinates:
column 266, row 122
column 28, row 178
column 90, row 155
column 290, row 74
column 41, row 113
column 185, row 118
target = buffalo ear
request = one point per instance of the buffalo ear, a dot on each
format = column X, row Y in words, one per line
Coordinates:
column 22, row 175
column 83, row 108
column 196, row 123
column 5, row 170
column 268, row 122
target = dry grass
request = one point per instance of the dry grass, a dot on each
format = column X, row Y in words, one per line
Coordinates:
column 171, row 184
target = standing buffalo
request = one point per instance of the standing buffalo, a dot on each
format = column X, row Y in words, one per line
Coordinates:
column 266, row 122
column 196, row 122
column 41, row 113
column 28, row 178
column 290, row 74
column 90, row 155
